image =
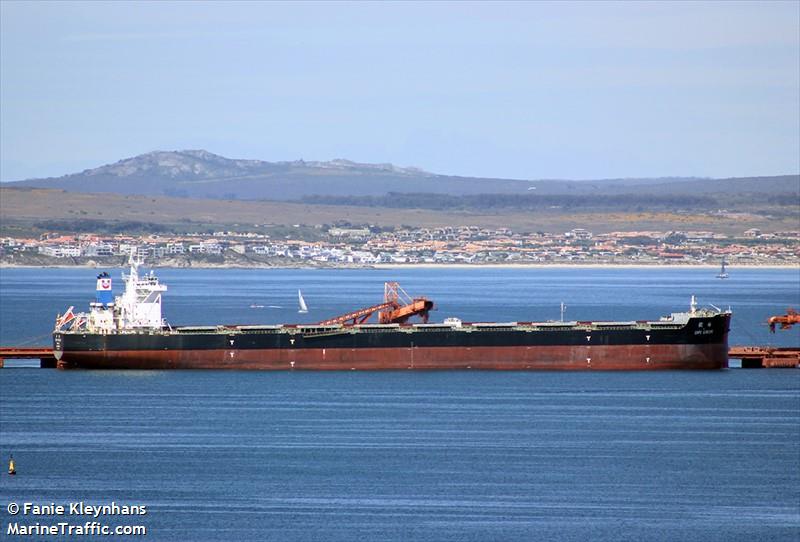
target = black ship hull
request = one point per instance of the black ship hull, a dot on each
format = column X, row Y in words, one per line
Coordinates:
column 699, row 343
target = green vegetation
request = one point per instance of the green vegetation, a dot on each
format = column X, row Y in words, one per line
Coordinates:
column 492, row 202
column 26, row 213
column 88, row 225
column 300, row 232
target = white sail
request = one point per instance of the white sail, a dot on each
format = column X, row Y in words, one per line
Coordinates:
column 303, row 306
column 722, row 273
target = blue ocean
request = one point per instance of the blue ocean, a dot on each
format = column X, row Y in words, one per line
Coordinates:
column 398, row 456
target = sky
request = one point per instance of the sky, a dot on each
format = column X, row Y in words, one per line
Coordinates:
column 512, row 90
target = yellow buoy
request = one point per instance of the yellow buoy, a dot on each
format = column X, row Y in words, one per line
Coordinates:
column 12, row 469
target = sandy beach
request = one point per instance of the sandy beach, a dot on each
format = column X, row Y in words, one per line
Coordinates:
column 422, row 266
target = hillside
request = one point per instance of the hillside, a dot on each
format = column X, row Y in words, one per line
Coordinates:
column 26, row 211
column 201, row 174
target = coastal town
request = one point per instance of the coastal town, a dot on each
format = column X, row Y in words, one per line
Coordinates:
column 357, row 246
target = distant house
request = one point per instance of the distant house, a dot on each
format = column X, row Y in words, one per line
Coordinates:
column 671, row 255
column 60, row 251
column 349, row 232
column 175, row 248
column 99, row 250
column 579, row 233
column 157, row 252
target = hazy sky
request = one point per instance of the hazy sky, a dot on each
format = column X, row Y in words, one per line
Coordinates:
column 519, row 90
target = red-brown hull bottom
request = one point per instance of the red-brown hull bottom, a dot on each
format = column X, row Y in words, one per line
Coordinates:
column 522, row 358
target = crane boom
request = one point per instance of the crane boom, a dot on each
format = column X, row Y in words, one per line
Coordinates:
column 357, row 317
column 397, row 308
column 417, row 307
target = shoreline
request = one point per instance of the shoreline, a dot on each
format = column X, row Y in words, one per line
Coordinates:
column 428, row 266
column 587, row 266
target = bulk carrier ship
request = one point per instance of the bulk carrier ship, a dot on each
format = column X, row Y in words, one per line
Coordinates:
column 128, row 332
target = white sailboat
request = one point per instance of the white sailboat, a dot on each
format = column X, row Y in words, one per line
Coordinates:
column 722, row 273
column 303, row 306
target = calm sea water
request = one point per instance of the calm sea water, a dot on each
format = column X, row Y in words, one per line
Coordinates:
column 31, row 298
column 401, row 456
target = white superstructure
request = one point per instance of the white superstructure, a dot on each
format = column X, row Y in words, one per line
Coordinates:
column 138, row 308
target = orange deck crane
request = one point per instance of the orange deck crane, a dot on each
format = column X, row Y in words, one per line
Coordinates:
column 786, row 321
column 397, row 308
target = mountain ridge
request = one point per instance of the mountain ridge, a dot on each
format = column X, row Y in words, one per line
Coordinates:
column 198, row 173
column 196, row 163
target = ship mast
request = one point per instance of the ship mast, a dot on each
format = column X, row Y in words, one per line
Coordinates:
column 140, row 304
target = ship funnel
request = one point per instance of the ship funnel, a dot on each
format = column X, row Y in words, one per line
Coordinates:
column 104, row 295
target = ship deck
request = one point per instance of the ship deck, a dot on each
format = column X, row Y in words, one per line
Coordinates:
column 464, row 327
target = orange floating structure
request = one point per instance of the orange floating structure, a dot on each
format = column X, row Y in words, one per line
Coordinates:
column 786, row 321
column 756, row 357
column 43, row 353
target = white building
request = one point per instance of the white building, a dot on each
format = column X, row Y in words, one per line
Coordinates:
column 175, row 248
column 98, row 250
column 61, row 251
column 579, row 233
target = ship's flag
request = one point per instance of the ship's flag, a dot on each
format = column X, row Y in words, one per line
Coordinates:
column 69, row 315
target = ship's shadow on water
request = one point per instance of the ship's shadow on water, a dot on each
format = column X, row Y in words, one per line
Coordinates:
column 414, row 455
